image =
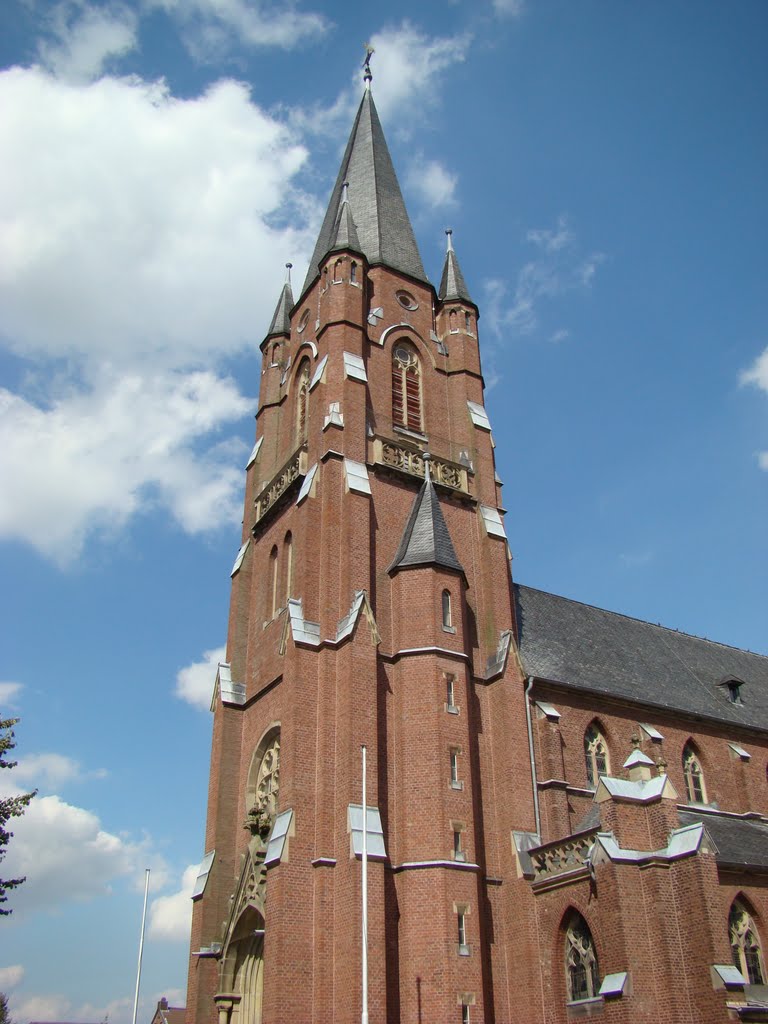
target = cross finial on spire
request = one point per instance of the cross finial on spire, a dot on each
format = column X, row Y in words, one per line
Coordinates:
column 288, row 273
column 367, row 75
column 448, row 233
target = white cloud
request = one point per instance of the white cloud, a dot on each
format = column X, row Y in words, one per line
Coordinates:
column 60, row 1007
column 102, row 455
column 84, row 38
column 433, row 183
column 757, row 374
column 83, row 853
column 51, row 771
column 10, row 977
column 8, row 694
column 51, row 1007
column 211, row 27
column 557, row 267
column 170, row 917
column 148, row 223
column 509, row 8
column 194, row 683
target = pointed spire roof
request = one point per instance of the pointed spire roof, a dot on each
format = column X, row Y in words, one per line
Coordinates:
column 344, row 232
column 281, row 321
column 426, row 540
column 375, row 200
column 452, row 284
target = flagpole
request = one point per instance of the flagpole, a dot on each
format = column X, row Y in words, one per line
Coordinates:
column 364, row 1016
column 141, row 946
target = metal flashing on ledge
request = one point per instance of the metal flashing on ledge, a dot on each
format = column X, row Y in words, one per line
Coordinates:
column 226, row 689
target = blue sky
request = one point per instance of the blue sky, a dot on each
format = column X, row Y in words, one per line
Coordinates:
column 603, row 167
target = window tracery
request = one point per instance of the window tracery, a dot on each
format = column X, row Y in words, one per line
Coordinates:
column 694, row 776
column 302, row 402
column 582, row 979
column 264, row 787
column 406, row 388
column 745, row 945
column 595, row 755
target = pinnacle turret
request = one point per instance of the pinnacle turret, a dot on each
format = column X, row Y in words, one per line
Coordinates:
column 453, row 287
column 345, row 233
column 281, row 320
column 375, row 203
column 426, row 540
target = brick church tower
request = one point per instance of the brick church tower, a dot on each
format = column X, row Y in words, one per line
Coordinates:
column 371, row 604
column 516, row 873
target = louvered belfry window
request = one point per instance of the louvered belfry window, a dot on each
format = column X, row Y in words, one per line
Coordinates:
column 406, row 388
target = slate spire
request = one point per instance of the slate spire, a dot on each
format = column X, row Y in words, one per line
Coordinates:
column 345, row 233
column 281, row 321
column 426, row 540
column 452, row 284
column 375, row 202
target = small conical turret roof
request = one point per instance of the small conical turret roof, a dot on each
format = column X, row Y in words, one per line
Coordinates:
column 345, row 233
column 453, row 287
column 375, row 200
column 426, row 540
column 281, row 321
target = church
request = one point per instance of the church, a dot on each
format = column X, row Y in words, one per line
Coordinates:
column 564, row 811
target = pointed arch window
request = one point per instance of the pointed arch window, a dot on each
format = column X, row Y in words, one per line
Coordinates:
column 288, row 564
column 406, row 388
column 581, row 974
column 302, row 402
column 447, row 611
column 694, row 776
column 353, row 273
column 453, row 321
column 745, row 945
column 337, row 267
column 273, row 576
column 595, row 755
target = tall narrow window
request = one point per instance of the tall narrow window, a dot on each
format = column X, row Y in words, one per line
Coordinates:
column 273, row 575
column 406, row 388
column 450, row 690
column 447, row 623
column 353, row 272
column 461, row 926
column 580, row 961
column 468, row 323
column 464, row 1014
column 302, row 402
column 595, row 755
column 453, row 321
column 455, row 781
column 745, row 945
column 337, row 270
column 288, row 564
column 458, row 848
column 694, row 776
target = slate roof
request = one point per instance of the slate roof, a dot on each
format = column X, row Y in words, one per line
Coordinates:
column 281, row 321
column 740, row 842
column 375, row 200
column 586, row 648
column 345, row 233
column 452, row 283
column 426, row 540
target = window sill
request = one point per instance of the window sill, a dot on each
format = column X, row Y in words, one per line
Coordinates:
column 456, row 784
column 464, row 949
column 584, row 1007
column 460, row 856
column 409, row 433
column 449, row 629
column 451, row 709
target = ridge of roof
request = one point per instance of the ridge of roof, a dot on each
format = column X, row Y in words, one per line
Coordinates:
column 378, row 210
column 644, row 622
column 426, row 540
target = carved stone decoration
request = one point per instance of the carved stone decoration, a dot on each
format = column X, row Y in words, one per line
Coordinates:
column 557, row 858
column 401, row 457
column 293, row 469
column 264, row 808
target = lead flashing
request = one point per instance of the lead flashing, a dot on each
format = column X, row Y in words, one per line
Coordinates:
column 254, row 452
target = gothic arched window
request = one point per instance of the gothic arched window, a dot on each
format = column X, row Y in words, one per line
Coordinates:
column 745, row 944
column 302, row 402
column 353, row 273
column 453, row 321
column 581, row 975
column 406, row 387
column 595, row 755
column 694, row 776
column 273, row 575
column 337, row 266
column 263, row 789
column 287, row 564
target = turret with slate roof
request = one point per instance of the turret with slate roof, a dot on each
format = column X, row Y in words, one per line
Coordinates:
column 453, row 287
column 426, row 540
column 281, row 319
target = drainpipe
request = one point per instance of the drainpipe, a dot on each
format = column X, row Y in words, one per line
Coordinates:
column 534, row 782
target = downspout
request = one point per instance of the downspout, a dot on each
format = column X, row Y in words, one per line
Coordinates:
column 534, row 781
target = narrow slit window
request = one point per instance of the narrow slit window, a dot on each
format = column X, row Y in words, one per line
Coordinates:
column 462, row 927
column 455, row 782
column 353, row 272
column 447, row 611
column 453, row 321
column 464, row 1014
column 450, row 690
column 288, row 564
column 273, row 575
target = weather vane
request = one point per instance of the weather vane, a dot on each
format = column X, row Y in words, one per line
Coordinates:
column 369, row 52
